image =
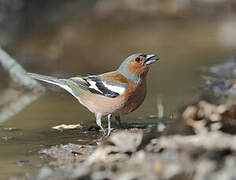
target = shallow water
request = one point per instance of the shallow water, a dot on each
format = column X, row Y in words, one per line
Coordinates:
column 80, row 48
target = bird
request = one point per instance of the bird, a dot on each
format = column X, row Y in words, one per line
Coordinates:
column 111, row 94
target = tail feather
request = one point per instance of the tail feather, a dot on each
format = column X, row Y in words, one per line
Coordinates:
column 52, row 80
column 47, row 79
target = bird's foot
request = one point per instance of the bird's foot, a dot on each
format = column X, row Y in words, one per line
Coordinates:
column 103, row 130
column 109, row 131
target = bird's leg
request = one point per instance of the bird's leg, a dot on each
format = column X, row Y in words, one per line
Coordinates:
column 118, row 120
column 99, row 122
column 109, row 124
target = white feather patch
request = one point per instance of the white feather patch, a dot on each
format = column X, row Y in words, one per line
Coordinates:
column 94, row 86
column 117, row 89
column 67, row 88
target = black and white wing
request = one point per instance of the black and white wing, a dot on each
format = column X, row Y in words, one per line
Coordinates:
column 96, row 85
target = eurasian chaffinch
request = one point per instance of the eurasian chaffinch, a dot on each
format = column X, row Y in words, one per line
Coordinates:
column 110, row 94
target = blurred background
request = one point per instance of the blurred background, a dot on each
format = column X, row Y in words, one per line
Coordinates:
column 78, row 37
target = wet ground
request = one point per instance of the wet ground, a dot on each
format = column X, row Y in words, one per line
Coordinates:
column 185, row 48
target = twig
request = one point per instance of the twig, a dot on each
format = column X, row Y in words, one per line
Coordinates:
column 160, row 108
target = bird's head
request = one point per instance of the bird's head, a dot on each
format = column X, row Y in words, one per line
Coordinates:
column 137, row 65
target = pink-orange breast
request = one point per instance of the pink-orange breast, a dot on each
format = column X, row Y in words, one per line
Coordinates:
column 123, row 104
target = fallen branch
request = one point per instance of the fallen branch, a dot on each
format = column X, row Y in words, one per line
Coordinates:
column 17, row 72
column 15, row 103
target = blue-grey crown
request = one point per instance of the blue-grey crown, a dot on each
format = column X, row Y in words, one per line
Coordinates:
column 123, row 68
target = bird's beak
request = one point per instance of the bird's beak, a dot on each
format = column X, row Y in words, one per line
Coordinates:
column 150, row 59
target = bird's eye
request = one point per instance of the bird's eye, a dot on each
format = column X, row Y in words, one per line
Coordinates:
column 137, row 59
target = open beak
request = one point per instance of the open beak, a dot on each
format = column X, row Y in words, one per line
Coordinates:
column 151, row 59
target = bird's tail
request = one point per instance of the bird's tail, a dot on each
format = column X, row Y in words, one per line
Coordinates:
column 48, row 79
column 63, row 83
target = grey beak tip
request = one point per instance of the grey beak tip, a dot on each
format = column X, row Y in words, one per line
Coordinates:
column 150, row 60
